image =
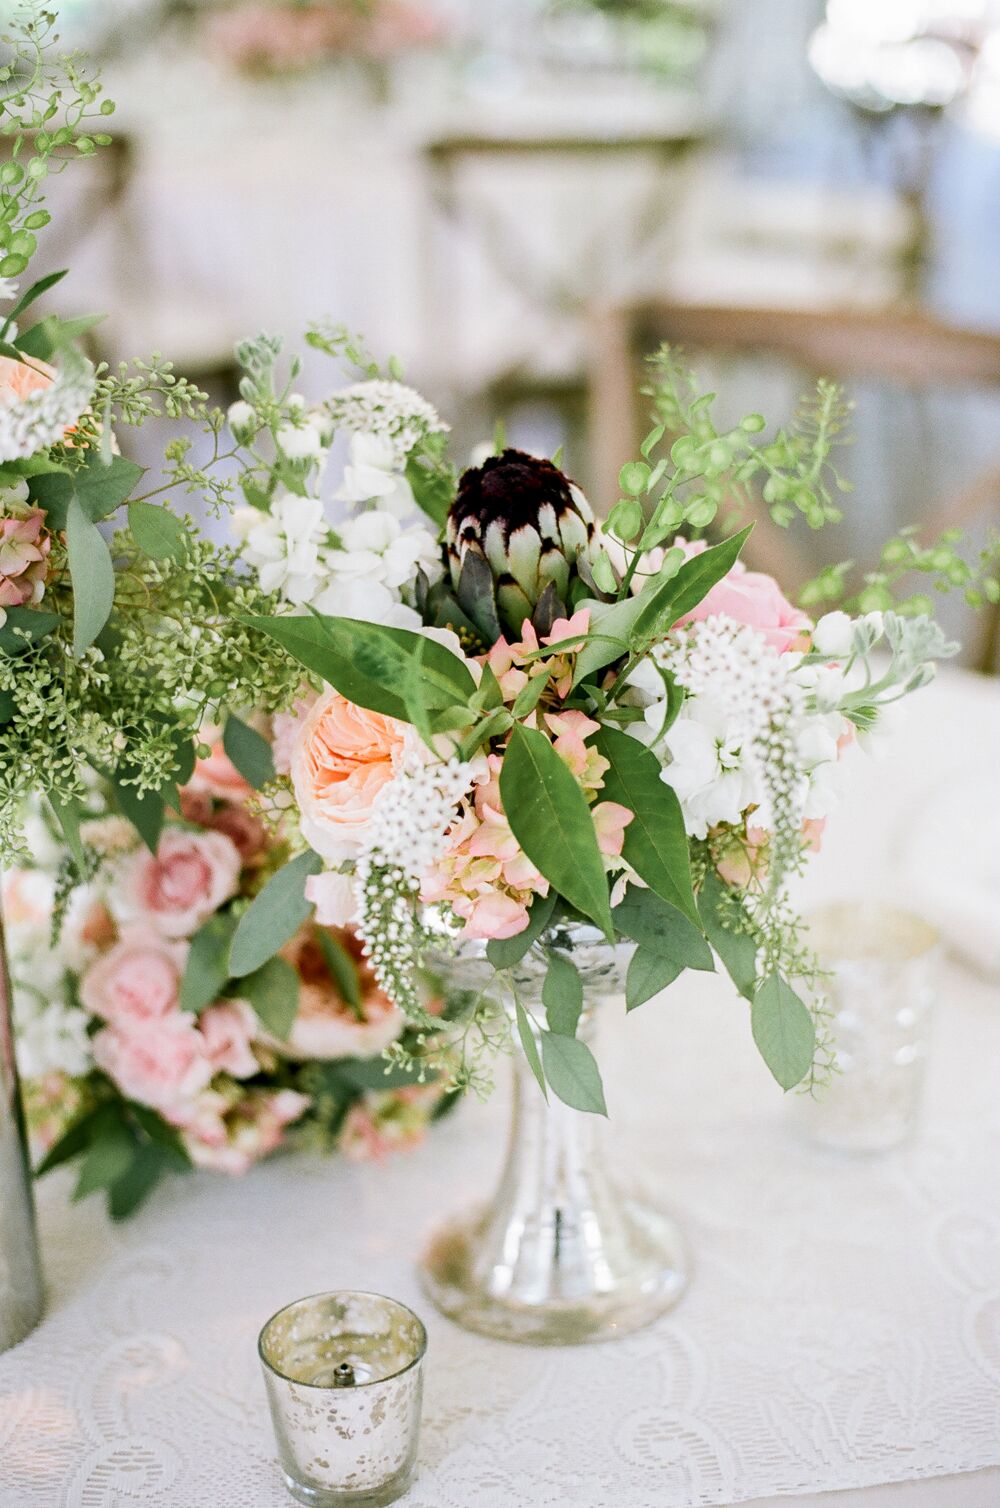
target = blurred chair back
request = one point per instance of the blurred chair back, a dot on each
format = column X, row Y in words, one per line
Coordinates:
column 904, row 347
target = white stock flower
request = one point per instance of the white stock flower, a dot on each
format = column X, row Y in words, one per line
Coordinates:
column 376, row 545
column 283, row 545
column 301, row 442
column 373, row 474
column 369, row 601
column 712, row 764
column 834, row 634
column 51, row 1036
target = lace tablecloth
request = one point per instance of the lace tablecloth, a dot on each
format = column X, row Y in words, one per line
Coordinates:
column 842, row 1329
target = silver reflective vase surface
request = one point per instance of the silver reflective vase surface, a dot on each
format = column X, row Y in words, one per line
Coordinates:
column 20, row 1269
column 561, row 1254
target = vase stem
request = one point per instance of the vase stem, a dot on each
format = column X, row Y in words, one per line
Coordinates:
column 561, row 1255
column 20, row 1268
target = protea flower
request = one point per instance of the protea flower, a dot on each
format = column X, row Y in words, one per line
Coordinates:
column 518, row 542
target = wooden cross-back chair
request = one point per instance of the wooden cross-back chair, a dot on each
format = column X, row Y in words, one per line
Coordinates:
column 904, row 347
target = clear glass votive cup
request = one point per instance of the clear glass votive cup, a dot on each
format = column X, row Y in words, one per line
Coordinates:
column 882, row 965
column 344, row 1380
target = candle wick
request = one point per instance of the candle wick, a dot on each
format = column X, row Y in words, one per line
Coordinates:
column 343, row 1376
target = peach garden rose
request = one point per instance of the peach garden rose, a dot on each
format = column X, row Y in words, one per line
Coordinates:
column 342, row 757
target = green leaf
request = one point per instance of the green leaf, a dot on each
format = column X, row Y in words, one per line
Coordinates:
column 207, row 970
column 274, row 916
column 572, row 1073
column 146, row 810
column 46, row 337
column 273, row 991
column 92, row 574
column 157, row 531
column 505, row 952
column 609, row 636
column 343, row 969
column 529, row 1046
column 656, row 843
column 648, row 974
column 783, row 1030
column 737, row 950
column 377, row 1073
column 30, row 625
column 102, row 486
column 69, row 814
column 108, row 1156
column 562, row 995
column 652, row 922
column 136, row 1183
column 249, row 751
column 77, row 1136
column 550, row 818
column 664, row 605
column 370, row 664
column 29, row 296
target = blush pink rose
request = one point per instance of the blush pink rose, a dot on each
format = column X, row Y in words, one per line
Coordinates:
column 136, row 981
column 183, row 884
column 227, row 1029
column 160, row 1063
column 750, row 597
column 342, row 758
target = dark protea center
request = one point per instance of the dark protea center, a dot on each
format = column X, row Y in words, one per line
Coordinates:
column 518, row 532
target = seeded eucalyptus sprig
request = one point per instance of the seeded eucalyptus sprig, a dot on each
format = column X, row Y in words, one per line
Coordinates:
column 49, row 103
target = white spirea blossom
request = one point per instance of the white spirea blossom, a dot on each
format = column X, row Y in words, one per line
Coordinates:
column 388, row 411
column 406, row 837
column 37, row 420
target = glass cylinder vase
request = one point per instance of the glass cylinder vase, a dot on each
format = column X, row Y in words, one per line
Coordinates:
column 20, row 1268
column 562, row 1253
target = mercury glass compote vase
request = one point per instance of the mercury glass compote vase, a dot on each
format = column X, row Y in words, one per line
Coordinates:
column 20, row 1268
column 561, row 1254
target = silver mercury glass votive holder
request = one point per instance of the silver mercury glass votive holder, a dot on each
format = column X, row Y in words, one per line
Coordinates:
column 344, row 1380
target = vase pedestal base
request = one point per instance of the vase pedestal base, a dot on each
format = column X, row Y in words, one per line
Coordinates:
column 556, row 1286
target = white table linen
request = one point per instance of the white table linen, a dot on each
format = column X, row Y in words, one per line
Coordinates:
column 842, row 1329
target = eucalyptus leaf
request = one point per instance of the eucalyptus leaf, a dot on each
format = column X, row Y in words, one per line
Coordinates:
column 274, row 916
column 654, row 924
column 273, row 991
column 562, row 995
column 69, row 814
column 525, row 1032
column 92, row 574
column 550, row 818
column 107, row 1158
column 206, row 973
column 102, row 486
column 783, row 1030
column 146, row 810
column 656, row 843
column 148, row 1165
column 249, row 751
column 157, row 531
column 648, row 974
column 572, row 1073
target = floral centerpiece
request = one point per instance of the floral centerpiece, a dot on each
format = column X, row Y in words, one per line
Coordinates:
column 271, row 38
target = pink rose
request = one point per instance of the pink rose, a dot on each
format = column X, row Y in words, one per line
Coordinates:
column 159, row 1063
column 231, row 1136
column 750, row 597
column 183, row 884
column 136, row 981
column 227, row 1030
column 343, row 756
column 217, row 776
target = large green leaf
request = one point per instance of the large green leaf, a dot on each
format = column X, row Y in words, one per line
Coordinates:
column 783, row 1030
column 249, row 751
column 656, row 843
column 207, row 970
column 92, row 574
column 648, row 974
column 550, row 818
column 273, row 991
column 372, row 665
column 652, row 922
column 149, row 1163
column 69, row 815
column 572, row 1072
column 737, row 950
column 146, row 810
column 273, row 916
column 526, row 1033
column 102, row 486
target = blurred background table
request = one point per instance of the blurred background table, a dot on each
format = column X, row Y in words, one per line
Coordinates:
column 842, row 1330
